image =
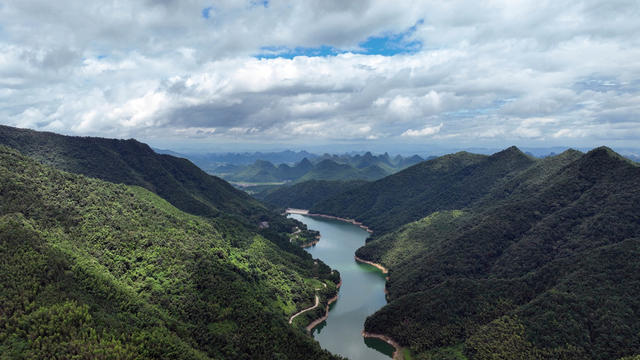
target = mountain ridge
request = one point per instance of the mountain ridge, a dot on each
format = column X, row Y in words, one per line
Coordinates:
column 504, row 266
column 94, row 269
column 325, row 167
column 448, row 182
column 134, row 163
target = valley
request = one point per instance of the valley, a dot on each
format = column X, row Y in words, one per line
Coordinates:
column 463, row 256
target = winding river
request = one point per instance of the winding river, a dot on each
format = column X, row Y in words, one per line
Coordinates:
column 361, row 294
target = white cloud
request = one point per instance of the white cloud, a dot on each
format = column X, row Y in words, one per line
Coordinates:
column 195, row 132
column 491, row 132
column 499, row 71
column 425, row 131
column 402, row 106
column 569, row 133
column 533, row 127
column 528, row 132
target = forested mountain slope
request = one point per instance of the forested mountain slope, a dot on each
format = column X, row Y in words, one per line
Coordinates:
column 445, row 183
column 544, row 266
column 306, row 194
column 92, row 269
column 331, row 170
column 130, row 162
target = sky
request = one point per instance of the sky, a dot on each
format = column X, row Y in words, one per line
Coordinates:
column 235, row 75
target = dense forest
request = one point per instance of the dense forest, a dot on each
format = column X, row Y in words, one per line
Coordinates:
column 92, row 269
column 544, row 265
column 96, row 269
column 449, row 182
column 130, row 162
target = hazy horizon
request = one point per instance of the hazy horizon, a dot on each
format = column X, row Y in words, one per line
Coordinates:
column 433, row 151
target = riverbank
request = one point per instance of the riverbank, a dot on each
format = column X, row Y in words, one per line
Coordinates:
column 382, row 268
column 295, row 237
column 319, row 320
column 397, row 354
column 350, row 221
column 323, row 318
column 310, row 244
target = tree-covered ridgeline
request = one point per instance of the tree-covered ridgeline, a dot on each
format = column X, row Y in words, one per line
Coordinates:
column 543, row 265
column 174, row 179
column 306, row 194
column 130, row 162
column 449, row 182
column 92, row 269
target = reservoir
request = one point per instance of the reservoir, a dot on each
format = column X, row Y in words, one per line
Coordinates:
column 361, row 294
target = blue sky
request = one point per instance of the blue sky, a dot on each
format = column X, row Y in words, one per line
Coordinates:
column 385, row 44
column 206, row 12
column 377, row 75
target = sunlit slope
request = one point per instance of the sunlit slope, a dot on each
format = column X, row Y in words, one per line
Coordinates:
column 130, row 162
column 98, row 270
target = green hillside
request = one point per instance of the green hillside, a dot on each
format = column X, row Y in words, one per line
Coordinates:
column 543, row 266
column 174, row 179
column 130, row 162
column 306, row 194
column 446, row 183
column 331, row 170
column 92, row 269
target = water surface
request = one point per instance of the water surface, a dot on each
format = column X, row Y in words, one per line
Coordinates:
column 361, row 294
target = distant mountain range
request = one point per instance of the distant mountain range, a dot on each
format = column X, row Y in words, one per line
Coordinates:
column 298, row 166
column 325, row 167
column 210, row 161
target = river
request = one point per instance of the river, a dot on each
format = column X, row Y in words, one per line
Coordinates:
column 361, row 294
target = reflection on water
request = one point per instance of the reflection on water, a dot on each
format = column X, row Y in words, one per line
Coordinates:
column 379, row 345
column 361, row 294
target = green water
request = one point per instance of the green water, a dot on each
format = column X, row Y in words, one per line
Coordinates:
column 361, row 294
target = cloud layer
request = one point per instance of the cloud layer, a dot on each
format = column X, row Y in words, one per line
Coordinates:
column 210, row 72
